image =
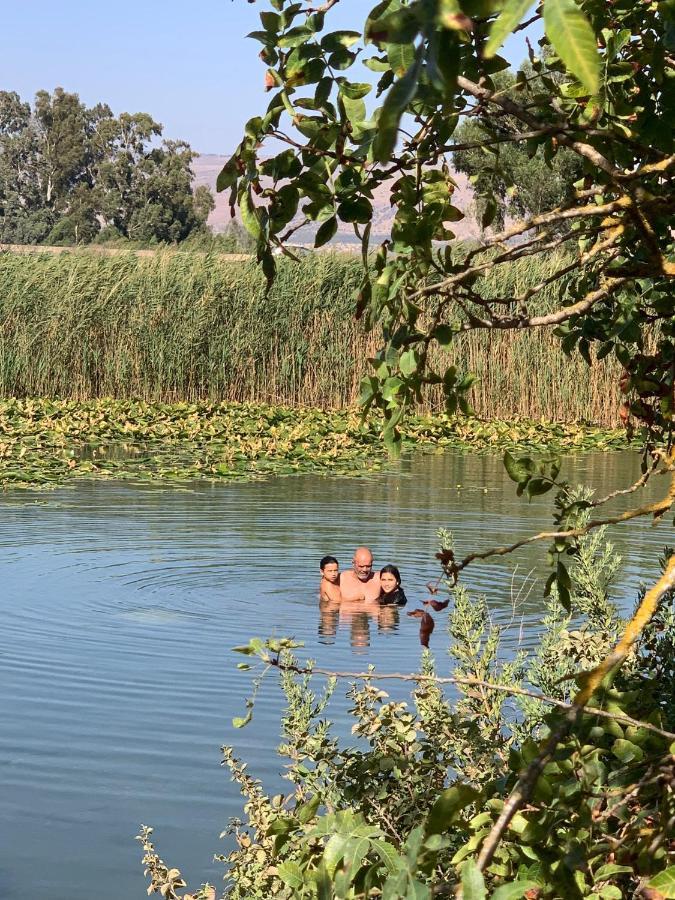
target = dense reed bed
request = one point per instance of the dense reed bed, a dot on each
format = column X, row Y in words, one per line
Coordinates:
column 194, row 326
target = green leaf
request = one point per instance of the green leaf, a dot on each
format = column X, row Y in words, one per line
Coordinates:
column 604, row 872
column 355, row 90
column 254, row 647
column 443, row 334
column 291, row 874
column 271, row 21
column 281, row 826
column 408, row 363
column 513, row 891
column 665, row 883
column 448, row 804
column 326, row 232
column 398, row 98
column 537, row 486
column 473, row 884
column 294, row 37
column 515, row 468
column 323, row 883
column 354, row 109
column 337, row 39
column 355, row 210
column 306, row 811
column 611, row 892
column 391, row 387
column 227, row 175
column 357, row 851
column 334, row 851
column 417, row 890
column 391, row 858
column 450, row 15
column 249, row 215
column 571, row 34
column 489, row 212
column 512, row 12
column 627, row 751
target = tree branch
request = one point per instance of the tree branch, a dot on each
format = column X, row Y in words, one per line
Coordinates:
column 469, row 681
column 507, row 323
column 656, row 509
column 515, row 109
column 594, row 678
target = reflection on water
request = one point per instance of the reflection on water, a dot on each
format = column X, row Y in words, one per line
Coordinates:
column 356, row 618
column 119, row 607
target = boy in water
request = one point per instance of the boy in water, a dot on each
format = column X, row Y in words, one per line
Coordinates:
column 329, row 589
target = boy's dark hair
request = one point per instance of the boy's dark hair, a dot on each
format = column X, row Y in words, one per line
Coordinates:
column 391, row 570
column 326, row 561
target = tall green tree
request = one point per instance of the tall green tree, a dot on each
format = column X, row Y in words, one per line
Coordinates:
column 24, row 218
column 67, row 170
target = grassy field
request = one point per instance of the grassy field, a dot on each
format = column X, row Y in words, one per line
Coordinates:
column 192, row 326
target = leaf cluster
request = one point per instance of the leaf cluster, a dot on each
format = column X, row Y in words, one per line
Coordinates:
column 384, row 107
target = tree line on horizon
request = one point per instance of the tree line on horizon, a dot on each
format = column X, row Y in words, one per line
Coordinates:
column 72, row 174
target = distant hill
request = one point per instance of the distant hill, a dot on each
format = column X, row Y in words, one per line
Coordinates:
column 207, row 167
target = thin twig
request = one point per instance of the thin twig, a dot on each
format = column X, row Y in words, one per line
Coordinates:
column 469, row 681
column 641, row 482
column 656, row 509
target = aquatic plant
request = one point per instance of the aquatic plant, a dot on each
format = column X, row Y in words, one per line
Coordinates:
column 47, row 442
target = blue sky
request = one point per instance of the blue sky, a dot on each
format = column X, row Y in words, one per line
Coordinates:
column 187, row 64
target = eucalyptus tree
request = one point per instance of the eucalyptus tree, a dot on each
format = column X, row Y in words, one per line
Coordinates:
column 23, row 215
column 67, row 169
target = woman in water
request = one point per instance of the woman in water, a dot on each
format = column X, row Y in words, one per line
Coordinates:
column 391, row 592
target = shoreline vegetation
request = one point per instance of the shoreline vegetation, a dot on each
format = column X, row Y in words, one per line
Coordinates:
column 187, row 325
column 46, row 443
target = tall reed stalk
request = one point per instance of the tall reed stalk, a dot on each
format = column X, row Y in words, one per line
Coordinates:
column 194, row 326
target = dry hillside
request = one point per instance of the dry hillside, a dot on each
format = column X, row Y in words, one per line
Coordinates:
column 208, row 165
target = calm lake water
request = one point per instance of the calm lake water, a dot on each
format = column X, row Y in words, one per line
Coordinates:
column 120, row 604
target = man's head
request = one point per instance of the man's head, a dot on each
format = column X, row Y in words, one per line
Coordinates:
column 330, row 569
column 363, row 563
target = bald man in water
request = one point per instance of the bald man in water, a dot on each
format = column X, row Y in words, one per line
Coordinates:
column 360, row 582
